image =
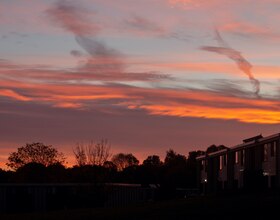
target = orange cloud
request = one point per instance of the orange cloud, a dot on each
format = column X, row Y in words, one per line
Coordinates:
column 12, row 94
column 69, row 105
column 212, row 106
column 88, row 97
column 178, row 103
column 249, row 115
column 159, row 101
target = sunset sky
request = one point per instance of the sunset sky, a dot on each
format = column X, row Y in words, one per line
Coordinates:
column 147, row 75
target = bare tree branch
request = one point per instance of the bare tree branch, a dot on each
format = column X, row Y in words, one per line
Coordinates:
column 94, row 153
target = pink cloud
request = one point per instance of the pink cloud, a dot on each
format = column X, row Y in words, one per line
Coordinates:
column 73, row 18
column 250, row 30
column 14, row 95
column 197, row 4
column 65, row 89
column 177, row 103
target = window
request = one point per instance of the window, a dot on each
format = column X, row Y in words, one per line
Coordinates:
column 273, row 149
column 202, row 165
column 242, row 157
column 221, row 162
column 265, row 152
column 236, row 157
column 225, row 160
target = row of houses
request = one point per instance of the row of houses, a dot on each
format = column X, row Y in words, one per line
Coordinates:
column 253, row 164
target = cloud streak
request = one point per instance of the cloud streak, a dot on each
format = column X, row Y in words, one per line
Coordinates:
column 215, row 103
column 98, row 82
column 145, row 27
column 141, row 24
column 14, row 95
column 103, row 63
column 72, row 18
column 236, row 56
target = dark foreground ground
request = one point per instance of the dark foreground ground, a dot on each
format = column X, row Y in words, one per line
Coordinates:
column 249, row 206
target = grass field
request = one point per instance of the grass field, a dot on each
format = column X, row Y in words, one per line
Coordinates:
column 253, row 206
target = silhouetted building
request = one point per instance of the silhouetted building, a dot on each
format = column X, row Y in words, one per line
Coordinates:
column 253, row 164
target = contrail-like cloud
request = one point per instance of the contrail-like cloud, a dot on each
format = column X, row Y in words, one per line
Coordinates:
column 103, row 62
column 75, row 19
column 236, row 56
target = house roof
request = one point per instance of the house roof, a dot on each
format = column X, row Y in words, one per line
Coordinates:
column 246, row 143
column 218, row 152
column 255, row 138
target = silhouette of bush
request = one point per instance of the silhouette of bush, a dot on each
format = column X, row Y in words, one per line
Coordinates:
column 31, row 173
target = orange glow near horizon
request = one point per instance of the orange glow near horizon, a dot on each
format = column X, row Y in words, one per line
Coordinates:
column 241, row 114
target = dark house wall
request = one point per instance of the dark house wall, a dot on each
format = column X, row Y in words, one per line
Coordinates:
column 251, row 171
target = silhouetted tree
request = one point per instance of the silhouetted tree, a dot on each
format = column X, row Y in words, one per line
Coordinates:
column 56, row 173
column 110, row 165
column 213, row 148
column 175, row 170
column 80, row 155
column 123, row 161
column 88, row 174
column 31, row 173
column 153, row 161
column 192, row 168
column 92, row 153
column 151, row 170
column 4, row 176
column 130, row 174
column 172, row 158
column 35, row 153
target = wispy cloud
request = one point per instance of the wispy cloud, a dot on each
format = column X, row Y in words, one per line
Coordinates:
column 260, row 71
column 76, row 53
column 103, row 63
column 14, row 95
column 99, row 81
column 141, row 24
column 73, row 18
column 250, row 30
column 236, row 56
column 215, row 102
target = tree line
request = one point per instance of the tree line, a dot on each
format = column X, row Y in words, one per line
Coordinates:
column 40, row 163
